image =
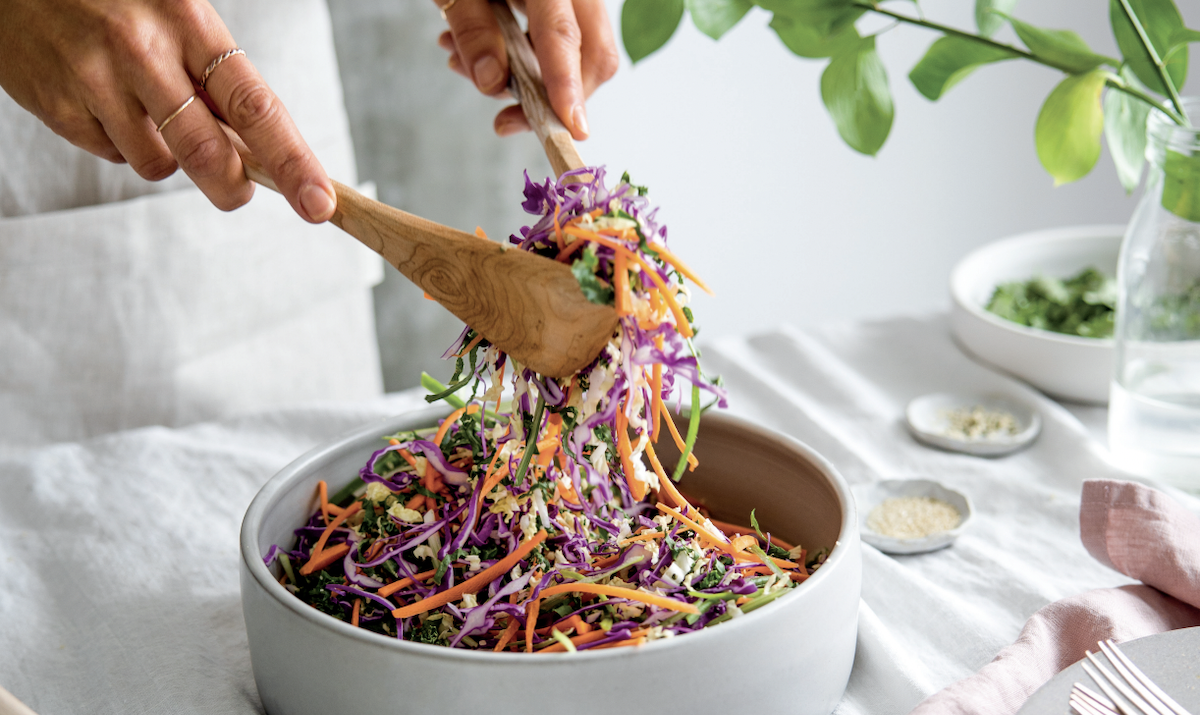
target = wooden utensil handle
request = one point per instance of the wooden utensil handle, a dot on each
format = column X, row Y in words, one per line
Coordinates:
column 530, row 89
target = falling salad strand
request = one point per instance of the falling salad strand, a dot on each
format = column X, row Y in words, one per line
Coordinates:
column 539, row 518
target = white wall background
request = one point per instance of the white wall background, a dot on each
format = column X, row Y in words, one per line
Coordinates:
column 762, row 198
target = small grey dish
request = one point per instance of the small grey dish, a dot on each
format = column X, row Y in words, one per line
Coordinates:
column 928, row 420
column 870, row 496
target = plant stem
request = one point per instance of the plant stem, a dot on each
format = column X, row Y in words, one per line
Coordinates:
column 1158, row 63
column 1178, row 116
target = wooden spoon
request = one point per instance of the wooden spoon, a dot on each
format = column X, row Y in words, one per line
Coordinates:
column 529, row 306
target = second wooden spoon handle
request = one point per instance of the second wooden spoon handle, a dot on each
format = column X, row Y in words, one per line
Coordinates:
column 531, row 92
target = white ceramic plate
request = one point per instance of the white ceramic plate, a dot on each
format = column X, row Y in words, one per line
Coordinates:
column 870, row 496
column 1063, row 366
column 1170, row 659
column 927, row 419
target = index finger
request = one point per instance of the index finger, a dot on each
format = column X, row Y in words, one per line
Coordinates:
column 558, row 42
column 248, row 105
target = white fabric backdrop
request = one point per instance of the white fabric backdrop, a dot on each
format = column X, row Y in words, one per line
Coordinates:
column 118, row 555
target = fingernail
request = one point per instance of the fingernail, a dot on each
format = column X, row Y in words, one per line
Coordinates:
column 579, row 119
column 317, row 203
column 507, row 129
column 488, row 73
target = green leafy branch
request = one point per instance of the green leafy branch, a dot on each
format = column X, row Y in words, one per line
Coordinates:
column 1150, row 35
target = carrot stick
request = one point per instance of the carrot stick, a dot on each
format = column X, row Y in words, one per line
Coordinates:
column 531, row 614
column 615, row 592
column 735, row 530
column 644, row 536
column 671, row 260
column 570, row 250
column 324, row 558
column 656, row 389
column 337, row 521
column 667, row 485
column 621, row 285
column 681, row 323
column 449, row 421
column 479, row 232
column 475, row 583
column 467, row 348
column 323, row 495
column 354, row 615
column 395, row 586
column 416, row 502
column 509, row 632
column 576, row 640
column 637, row 637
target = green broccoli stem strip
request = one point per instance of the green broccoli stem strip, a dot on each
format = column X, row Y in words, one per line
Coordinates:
column 1112, row 81
column 530, row 441
column 693, row 430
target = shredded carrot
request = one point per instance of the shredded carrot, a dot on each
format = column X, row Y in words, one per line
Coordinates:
column 467, row 348
column 479, row 232
column 656, row 400
column 509, row 632
column 616, row 592
column 666, row 484
column 354, row 615
column 337, row 521
column 681, row 323
column 723, row 546
column 735, row 530
column 644, row 536
column 578, row 640
column 320, row 560
column 570, row 250
column 743, row 542
column 393, row 441
column 638, row 638
column 397, row 585
column 475, row 583
column 741, row 601
column 449, row 421
column 531, row 614
column 621, row 285
column 416, row 502
column 557, row 228
column 412, row 461
column 678, row 265
column 323, row 495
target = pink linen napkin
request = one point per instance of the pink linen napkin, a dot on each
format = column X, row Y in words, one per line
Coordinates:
column 1132, row 528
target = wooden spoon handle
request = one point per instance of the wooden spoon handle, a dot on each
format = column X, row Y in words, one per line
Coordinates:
column 530, row 90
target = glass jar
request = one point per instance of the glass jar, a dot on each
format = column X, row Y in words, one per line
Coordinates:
column 1154, row 404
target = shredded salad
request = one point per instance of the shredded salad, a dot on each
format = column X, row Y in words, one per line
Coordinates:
column 546, row 522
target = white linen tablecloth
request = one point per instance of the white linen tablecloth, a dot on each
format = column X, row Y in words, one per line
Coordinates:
column 118, row 555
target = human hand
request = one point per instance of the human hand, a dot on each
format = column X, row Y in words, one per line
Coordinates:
column 103, row 74
column 574, row 43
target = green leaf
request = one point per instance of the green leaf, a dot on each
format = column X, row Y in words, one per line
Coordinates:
column 855, row 90
column 1180, row 39
column 1161, row 20
column 1125, row 131
column 950, row 59
column 824, row 17
column 1069, row 126
column 804, row 41
column 715, row 17
column 646, row 25
column 1181, row 185
column 990, row 15
column 584, row 270
column 754, row 524
column 1061, row 47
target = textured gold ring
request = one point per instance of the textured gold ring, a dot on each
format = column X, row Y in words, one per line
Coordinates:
column 446, row 8
column 221, row 58
column 176, row 113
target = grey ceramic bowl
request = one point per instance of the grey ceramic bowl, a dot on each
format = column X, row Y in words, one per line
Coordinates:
column 792, row 656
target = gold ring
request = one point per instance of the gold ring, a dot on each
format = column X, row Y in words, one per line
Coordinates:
column 176, row 113
column 446, row 8
column 221, row 58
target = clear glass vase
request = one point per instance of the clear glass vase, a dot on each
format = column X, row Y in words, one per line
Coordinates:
column 1154, row 404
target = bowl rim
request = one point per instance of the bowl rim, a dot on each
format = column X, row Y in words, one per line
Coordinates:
column 958, row 289
column 839, row 556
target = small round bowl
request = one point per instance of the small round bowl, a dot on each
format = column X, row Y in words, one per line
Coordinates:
column 794, row 654
column 870, row 496
column 1063, row 366
column 927, row 421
